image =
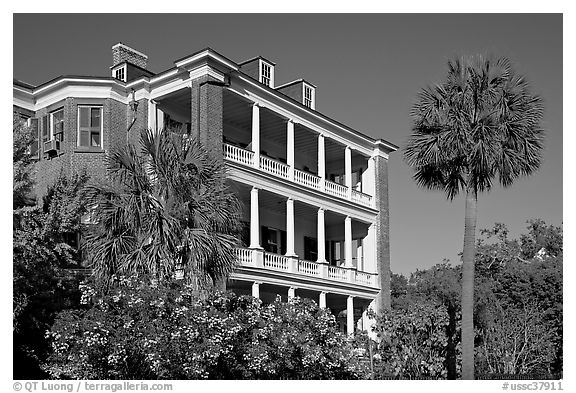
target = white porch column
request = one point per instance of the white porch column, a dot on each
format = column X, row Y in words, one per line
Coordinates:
column 322, row 300
column 369, row 178
column 291, row 293
column 290, row 228
column 290, row 148
column 321, row 161
column 254, row 219
column 348, row 241
column 256, row 290
column 350, row 315
column 256, row 134
column 348, row 170
column 152, row 115
column 321, row 237
column 369, row 247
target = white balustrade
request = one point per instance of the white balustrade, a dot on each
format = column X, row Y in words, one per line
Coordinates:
column 237, row 154
column 309, row 268
column 361, row 198
column 364, row 278
column 307, row 179
column 274, row 167
column 275, row 261
column 244, row 256
column 337, row 273
column 336, row 189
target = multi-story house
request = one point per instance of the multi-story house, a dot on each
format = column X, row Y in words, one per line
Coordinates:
column 314, row 191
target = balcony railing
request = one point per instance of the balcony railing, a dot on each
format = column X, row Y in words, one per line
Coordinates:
column 307, row 179
column 238, row 154
column 274, row 167
column 269, row 261
column 281, row 170
column 361, row 198
column 336, row 189
column 309, row 268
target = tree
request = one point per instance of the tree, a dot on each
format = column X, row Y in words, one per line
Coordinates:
column 41, row 286
column 166, row 208
column 481, row 123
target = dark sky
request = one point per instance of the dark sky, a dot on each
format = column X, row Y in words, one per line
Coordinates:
column 367, row 68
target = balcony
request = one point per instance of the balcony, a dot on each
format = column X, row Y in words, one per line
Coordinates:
column 269, row 261
column 309, row 180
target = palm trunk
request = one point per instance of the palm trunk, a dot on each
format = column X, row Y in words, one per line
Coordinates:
column 468, row 286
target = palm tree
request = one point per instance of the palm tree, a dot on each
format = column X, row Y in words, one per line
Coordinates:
column 165, row 209
column 481, row 123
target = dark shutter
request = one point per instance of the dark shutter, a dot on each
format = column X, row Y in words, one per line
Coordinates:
column 283, row 242
column 36, row 141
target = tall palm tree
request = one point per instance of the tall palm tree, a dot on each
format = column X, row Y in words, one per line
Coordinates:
column 165, row 208
column 482, row 122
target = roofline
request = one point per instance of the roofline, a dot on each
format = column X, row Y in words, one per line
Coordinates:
column 133, row 65
column 20, row 83
column 235, row 68
column 256, row 58
column 294, row 82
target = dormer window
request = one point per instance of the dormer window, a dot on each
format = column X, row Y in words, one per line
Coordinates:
column 120, row 73
column 308, row 96
column 266, row 74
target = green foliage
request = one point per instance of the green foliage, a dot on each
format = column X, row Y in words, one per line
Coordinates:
column 22, row 137
column 412, row 343
column 165, row 208
column 481, row 122
column 148, row 329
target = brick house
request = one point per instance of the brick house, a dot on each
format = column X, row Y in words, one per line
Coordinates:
column 314, row 191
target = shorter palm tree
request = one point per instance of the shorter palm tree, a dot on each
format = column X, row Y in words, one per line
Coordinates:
column 166, row 208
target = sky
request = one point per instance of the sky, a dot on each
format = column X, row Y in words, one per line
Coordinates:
column 368, row 69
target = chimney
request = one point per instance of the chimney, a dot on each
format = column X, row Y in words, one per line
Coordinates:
column 122, row 53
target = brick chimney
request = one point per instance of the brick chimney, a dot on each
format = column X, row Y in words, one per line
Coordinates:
column 122, row 53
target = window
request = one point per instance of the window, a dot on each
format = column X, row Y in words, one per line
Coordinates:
column 310, row 248
column 57, row 125
column 266, row 74
column 274, row 240
column 308, row 96
column 120, row 74
column 90, row 126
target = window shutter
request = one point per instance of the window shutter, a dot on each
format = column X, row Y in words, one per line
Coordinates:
column 282, row 242
column 45, row 129
column 35, row 133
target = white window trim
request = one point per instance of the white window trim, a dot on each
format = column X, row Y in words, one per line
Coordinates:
column 51, row 123
column 313, row 95
column 261, row 72
column 101, row 126
column 122, row 67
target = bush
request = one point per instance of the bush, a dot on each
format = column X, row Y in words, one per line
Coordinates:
column 147, row 330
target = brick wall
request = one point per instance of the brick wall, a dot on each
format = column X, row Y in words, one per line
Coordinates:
column 382, row 234
column 73, row 158
column 207, row 126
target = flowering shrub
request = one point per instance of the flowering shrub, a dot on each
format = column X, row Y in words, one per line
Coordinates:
column 148, row 330
column 412, row 342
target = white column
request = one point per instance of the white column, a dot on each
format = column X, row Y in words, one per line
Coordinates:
column 290, row 228
column 256, row 134
column 322, row 299
column 321, row 161
column 290, row 148
column 254, row 219
column 348, row 170
column 152, row 115
column 348, row 241
column 369, row 178
column 369, row 247
column 256, row 290
column 360, row 256
column 321, row 237
column 291, row 293
column 350, row 315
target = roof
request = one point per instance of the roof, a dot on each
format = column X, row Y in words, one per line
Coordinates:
column 300, row 80
column 256, row 58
